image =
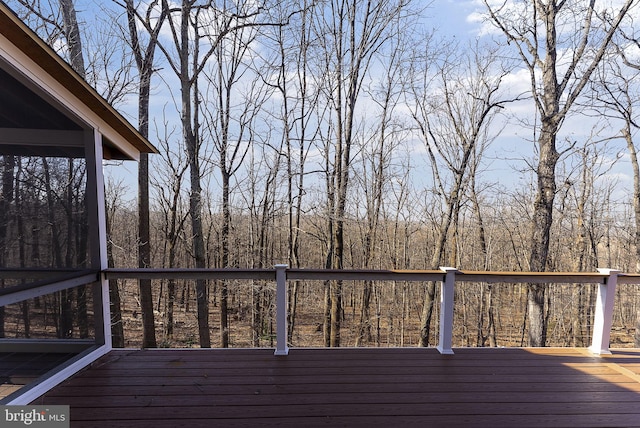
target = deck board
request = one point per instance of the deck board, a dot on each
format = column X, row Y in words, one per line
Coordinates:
column 355, row 387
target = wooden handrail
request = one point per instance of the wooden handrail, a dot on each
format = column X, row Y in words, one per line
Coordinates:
column 151, row 273
column 369, row 275
column 531, row 277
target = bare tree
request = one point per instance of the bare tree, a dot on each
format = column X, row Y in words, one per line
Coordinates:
column 114, row 200
column 376, row 174
column 187, row 64
column 196, row 31
column 72, row 34
column 354, row 32
column 452, row 108
column 594, row 163
column 560, row 43
column 144, row 58
column 6, row 197
column 487, row 310
column 291, row 66
column 168, row 181
column 231, row 124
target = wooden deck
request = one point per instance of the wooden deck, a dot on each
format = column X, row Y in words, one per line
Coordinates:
column 559, row 387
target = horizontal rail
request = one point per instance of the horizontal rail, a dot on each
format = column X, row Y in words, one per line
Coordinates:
column 149, row 273
column 270, row 274
column 364, row 275
column 370, row 275
column 18, row 293
column 532, row 277
column 629, row 278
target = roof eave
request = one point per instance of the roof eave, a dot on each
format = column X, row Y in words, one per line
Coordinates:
column 14, row 30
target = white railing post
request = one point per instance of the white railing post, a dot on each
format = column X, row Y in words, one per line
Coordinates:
column 281, row 310
column 603, row 317
column 102, row 311
column 446, row 310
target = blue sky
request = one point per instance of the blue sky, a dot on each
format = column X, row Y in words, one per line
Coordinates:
column 451, row 17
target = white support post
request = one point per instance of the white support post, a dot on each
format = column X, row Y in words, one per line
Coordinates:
column 95, row 200
column 102, row 311
column 98, row 235
column 603, row 317
column 281, row 310
column 446, row 310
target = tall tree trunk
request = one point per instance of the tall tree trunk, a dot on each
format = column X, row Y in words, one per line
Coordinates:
column 144, row 236
column 74, row 42
column 189, row 120
column 427, row 313
column 224, row 235
column 195, row 210
column 541, row 231
column 19, row 211
column 633, row 155
column 144, row 62
column 115, row 306
column 72, row 34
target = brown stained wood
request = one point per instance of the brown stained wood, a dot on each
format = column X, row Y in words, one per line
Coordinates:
column 368, row 274
column 190, row 397
column 194, row 273
column 547, row 390
column 212, row 411
column 181, row 368
column 502, row 276
column 496, row 421
column 354, row 387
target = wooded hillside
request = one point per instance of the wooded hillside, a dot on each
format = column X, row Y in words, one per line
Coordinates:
column 347, row 134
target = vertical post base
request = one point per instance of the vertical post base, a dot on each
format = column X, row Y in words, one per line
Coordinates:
column 598, row 351
column 281, row 311
column 603, row 317
column 446, row 311
column 444, row 351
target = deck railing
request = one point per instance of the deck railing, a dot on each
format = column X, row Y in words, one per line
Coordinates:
column 607, row 279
